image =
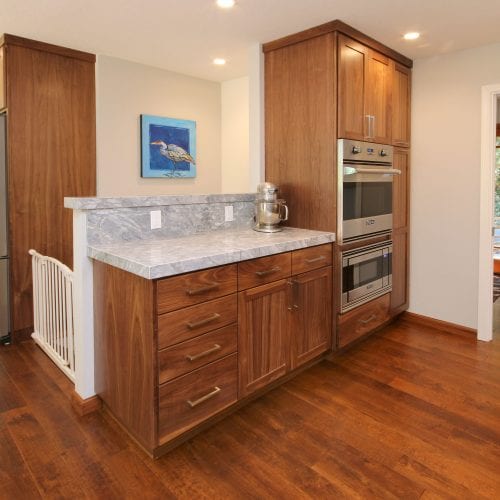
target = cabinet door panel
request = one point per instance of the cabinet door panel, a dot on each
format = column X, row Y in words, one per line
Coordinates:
column 2, row 79
column 378, row 95
column 262, row 335
column 311, row 321
column 351, row 89
column 401, row 100
column 400, row 189
column 399, row 294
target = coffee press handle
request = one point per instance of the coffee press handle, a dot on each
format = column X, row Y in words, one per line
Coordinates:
column 286, row 213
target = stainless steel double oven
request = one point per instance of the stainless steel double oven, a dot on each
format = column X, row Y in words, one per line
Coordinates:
column 364, row 211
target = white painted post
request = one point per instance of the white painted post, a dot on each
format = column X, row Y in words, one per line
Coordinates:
column 256, row 115
column 83, row 296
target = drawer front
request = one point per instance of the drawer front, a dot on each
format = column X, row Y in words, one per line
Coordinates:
column 187, row 323
column 363, row 319
column 192, row 354
column 192, row 398
column 264, row 270
column 311, row 258
column 193, row 288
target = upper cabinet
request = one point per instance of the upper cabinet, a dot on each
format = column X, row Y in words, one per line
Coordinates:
column 2, row 79
column 401, row 94
column 364, row 92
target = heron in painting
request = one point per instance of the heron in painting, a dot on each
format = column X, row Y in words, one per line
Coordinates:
column 173, row 152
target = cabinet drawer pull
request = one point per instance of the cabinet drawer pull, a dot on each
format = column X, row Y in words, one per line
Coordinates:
column 367, row 320
column 317, row 259
column 268, row 271
column 215, row 348
column 202, row 322
column 203, row 289
column 211, row 394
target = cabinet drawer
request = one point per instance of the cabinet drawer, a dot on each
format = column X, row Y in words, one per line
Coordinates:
column 178, row 326
column 363, row 319
column 192, row 354
column 311, row 258
column 192, row 398
column 193, row 288
column 257, row 272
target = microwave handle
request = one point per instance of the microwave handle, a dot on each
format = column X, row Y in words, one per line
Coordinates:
column 390, row 171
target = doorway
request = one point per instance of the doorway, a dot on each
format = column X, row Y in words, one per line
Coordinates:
column 487, row 209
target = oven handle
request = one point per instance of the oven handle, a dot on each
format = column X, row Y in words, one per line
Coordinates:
column 389, row 171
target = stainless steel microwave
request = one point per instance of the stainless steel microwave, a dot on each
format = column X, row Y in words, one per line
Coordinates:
column 366, row 274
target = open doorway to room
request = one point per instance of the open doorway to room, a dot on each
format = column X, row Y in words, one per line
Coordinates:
column 496, row 233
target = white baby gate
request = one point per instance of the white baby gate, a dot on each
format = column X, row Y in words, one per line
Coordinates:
column 53, row 311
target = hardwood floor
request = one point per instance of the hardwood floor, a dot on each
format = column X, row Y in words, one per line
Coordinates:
column 409, row 413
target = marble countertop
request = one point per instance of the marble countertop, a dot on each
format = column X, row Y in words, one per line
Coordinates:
column 159, row 258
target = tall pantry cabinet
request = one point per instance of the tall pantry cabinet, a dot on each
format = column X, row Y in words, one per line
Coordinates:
column 48, row 93
column 321, row 85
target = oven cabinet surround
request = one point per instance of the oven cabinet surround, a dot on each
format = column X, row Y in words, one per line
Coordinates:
column 323, row 84
column 173, row 353
column 49, row 95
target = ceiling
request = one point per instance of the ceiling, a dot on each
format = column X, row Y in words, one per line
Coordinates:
column 185, row 35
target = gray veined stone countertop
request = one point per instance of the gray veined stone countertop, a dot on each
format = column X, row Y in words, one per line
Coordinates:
column 170, row 256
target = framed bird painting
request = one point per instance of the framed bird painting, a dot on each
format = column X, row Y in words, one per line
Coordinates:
column 168, row 147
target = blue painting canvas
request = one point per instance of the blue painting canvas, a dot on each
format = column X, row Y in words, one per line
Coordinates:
column 168, row 147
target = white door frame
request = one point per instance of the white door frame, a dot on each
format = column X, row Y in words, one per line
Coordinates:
column 486, row 212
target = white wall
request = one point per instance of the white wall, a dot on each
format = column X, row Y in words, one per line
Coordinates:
column 125, row 90
column 235, row 173
column 446, row 113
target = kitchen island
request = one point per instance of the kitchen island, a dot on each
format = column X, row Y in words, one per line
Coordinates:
column 190, row 325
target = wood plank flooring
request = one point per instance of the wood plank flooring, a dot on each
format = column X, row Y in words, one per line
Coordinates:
column 412, row 412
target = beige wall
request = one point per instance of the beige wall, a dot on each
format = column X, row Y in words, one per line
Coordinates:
column 446, row 114
column 234, row 136
column 125, row 90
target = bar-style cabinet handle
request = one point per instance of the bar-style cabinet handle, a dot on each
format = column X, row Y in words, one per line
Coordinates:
column 204, row 398
column 268, row 271
column 215, row 348
column 317, row 259
column 203, row 289
column 202, row 322
column 367, row 320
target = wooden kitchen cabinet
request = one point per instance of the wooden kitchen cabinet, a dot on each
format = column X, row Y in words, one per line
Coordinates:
column 401, row 189
column 49, row 94
column 401, row 105
column 363, row 320
column 284, row 324
column 2, row 78
column 311, row 315
column 171, row 354
column 400, row 271
column 364, row 92
column 263, row 339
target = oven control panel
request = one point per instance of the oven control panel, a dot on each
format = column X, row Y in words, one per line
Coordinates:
column 361, row 151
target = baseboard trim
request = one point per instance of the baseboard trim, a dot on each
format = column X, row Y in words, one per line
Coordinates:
column 22, row 335
column 445, row 326
column 85, row 406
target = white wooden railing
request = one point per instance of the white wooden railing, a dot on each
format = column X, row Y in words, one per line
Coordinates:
column 53, row 311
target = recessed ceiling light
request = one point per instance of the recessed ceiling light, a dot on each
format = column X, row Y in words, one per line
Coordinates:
column 219, row 61
column 225, row 4
column 412, row 35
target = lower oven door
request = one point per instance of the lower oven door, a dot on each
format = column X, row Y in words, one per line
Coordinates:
column 365, row 276
column 366, row 202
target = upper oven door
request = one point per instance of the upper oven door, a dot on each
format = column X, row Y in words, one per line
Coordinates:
column 366, row 200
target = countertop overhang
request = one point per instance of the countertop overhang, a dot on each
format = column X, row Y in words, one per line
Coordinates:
column 159, row 258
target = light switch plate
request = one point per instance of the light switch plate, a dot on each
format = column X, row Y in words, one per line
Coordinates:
column 228, row 213
column 155, row 219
